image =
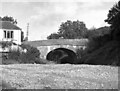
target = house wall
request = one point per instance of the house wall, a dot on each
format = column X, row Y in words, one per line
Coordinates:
column 16, row 36
column 1, row 34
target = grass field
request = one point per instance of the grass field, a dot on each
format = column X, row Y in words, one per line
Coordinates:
column 56, row 76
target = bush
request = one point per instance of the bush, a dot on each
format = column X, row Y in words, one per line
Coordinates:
column 94, row 44
column 9, row 61
column 109, row 54
column 11, row 57
column 80, row 53
column 97, row 42
column 31, row 56
column 5, row 44
column 15, row 55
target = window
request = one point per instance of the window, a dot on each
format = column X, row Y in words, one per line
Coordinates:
column 8, row 34
column 5, row 34
column 11, row 34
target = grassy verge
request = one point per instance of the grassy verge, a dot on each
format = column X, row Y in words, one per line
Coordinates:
column 56, row 76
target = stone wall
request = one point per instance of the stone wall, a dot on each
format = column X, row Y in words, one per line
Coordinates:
column 44, row 50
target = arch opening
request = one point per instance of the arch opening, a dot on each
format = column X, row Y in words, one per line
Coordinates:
column 62, row 56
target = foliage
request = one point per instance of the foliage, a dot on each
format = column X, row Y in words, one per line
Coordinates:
column 97, row 32
column 80, row 52
column 97, row 42
column 30, row 56
column 8, row 18
column 53, row 36
column 114, row 20
column 94, row 44
column 108, row 54
column 77, row 30
column 6, row 44
column 103, row 31
column 113, row 14
column 97, row 38
column 70, row 30
column 103, row 49
column 15, row 55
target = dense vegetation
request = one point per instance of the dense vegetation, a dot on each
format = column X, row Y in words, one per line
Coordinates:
column 70, row 30
column 77, row 30
column 25, row 54
column 105, row 49
column 31, row 55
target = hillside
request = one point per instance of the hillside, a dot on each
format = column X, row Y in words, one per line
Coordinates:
column 66, row 76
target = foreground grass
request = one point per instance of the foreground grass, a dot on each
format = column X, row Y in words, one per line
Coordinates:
column 56, row 76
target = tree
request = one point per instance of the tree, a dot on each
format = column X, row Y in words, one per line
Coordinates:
column 8, row 18
column 103, row 30
column 114, row 20
column 70, row 30
column 53, row 36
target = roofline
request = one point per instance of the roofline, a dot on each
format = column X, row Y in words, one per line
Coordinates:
column 11, row 29
column 13, row 24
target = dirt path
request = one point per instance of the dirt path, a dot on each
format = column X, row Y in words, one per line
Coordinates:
column 38, row 76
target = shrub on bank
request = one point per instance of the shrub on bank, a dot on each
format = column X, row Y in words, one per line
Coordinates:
column 96, row 42
column 109, row 54
column 101, row 51
column 14, row 55
column 80, row 53
column 31, row 55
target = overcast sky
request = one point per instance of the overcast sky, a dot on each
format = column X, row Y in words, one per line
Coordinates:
column 45, row 16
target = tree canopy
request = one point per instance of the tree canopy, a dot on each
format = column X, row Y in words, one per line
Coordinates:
column 53, row 36
column 77, row 30
column 8, row 18
column 70, row 30
column 114, row 20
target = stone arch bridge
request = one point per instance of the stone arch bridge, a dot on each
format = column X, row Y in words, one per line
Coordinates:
column 47, row 47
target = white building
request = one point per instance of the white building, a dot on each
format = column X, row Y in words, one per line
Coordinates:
column 10, row 32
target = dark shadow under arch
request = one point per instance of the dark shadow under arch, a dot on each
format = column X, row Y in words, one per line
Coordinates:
column 62, row 55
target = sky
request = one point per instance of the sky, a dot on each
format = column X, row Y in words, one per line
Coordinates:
column 45, row 16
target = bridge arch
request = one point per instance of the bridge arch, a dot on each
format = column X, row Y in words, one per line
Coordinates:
column 62, row 55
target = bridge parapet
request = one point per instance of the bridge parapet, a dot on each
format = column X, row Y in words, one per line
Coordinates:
column 45, row 46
